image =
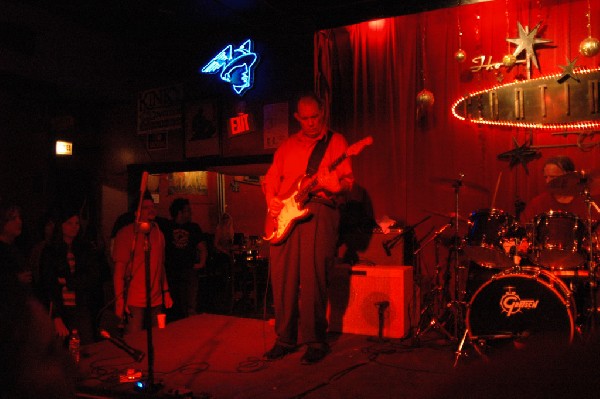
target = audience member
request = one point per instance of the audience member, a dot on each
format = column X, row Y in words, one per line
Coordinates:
column 186, row 253
column 33, row 364
column 129, row 277
column 12, row 260
column 70, row 278
column 48, row 224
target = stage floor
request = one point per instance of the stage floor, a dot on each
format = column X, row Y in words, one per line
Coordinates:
column 217, row 356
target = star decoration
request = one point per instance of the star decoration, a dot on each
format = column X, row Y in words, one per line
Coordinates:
column 521, row 154
column 568, row 71
column 526, row 41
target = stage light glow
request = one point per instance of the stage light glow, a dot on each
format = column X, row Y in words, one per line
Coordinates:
column 377, row 24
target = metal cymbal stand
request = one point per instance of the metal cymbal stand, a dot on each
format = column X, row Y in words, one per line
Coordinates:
column 457, row 305
column 435, row 296
column 592, row 264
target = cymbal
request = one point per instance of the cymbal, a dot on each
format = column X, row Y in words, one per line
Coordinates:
column 453, row 183
column 574, row 183
column 449, row 215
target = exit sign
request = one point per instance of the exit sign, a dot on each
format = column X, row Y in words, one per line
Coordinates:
column 242, row 123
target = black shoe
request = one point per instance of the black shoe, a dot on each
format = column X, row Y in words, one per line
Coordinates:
column 278, row 351
column 314, row 354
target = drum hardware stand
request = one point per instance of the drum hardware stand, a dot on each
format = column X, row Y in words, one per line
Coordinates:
column 436, row 292
column 457, row 305
column 592, row 264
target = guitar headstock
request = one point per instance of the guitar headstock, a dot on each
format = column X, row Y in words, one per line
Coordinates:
column 357, row 147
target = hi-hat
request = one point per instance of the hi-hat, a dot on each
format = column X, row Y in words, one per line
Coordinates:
column 454, row 183
column 575, row 183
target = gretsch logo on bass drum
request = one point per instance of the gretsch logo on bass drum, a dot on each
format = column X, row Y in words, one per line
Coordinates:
column 511, row 303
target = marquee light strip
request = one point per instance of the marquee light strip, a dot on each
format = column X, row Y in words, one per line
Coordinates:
column 500, row 102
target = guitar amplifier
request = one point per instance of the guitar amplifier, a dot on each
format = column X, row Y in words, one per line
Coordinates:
column 360, row 295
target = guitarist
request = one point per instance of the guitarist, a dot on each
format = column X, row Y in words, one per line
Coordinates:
column 299, row 262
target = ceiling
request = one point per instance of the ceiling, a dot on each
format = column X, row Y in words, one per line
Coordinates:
column 146, row 39
column 152, row 18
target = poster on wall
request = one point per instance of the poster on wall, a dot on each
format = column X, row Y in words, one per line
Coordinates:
column 160, row 110
column 276, row 124
column 201, row 129
column 188, row 183
column 157, row 141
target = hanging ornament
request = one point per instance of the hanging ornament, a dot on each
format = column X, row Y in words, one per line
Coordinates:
column 509, row 60
column 590, row 46
column 425, row 101
column 425, row 98
column 526, row 42
column 460, row 54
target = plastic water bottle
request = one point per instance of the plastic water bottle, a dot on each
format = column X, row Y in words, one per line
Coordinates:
column 74, row 345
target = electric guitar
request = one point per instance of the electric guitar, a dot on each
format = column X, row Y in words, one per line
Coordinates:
column 278, row 228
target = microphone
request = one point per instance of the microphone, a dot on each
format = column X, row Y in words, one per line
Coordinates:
column 135, row 354
column 386, row 248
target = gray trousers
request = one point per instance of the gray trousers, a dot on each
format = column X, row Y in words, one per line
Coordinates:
column 299, row 277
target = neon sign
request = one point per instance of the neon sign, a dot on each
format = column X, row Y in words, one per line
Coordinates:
column 236, row 66
column 546, row 103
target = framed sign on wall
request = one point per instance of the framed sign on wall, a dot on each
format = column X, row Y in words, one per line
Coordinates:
column 201, row 129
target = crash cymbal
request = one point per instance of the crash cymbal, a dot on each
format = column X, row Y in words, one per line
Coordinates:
column 575, row 183
column 448, row 215
column 453, row 183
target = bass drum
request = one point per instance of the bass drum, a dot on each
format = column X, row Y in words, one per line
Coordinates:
column 519, row 303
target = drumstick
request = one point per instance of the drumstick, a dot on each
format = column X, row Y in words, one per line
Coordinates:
column 496, row 190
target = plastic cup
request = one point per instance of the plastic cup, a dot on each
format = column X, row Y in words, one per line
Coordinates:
column 162, row 320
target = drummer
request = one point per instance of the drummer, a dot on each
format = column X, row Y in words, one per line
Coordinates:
column 563, row 198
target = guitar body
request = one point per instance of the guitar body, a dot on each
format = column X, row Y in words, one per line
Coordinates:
column 278, row 228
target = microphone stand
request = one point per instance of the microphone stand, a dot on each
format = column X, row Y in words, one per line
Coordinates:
column 150, row 386
column 388, row 245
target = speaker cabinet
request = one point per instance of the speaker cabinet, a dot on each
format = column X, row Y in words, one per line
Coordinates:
column 362, row 297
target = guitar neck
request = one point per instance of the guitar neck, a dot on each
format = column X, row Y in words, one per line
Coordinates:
column 313, row 179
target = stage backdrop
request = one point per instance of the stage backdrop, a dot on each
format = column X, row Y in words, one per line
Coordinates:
column 371, row 74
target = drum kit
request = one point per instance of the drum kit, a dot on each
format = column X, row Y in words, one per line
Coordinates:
column 513, row 280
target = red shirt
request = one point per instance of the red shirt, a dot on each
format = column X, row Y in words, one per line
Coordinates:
column 291, row 159
column 136, row 296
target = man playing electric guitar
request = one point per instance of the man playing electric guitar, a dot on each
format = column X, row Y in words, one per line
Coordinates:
column 300, row 260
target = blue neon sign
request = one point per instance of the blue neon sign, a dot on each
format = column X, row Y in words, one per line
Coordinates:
column 236, row 66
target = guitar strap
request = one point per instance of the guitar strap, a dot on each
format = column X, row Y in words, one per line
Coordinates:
column 317, row 153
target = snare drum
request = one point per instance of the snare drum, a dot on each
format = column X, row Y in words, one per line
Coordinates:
column 558, row 241
column 521, row 302
column 491, row 231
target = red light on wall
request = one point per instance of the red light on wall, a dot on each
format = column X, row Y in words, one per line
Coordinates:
column 377, row 24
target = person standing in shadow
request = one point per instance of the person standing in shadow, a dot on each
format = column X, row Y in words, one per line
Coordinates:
column 185, row 255
column 70, row 278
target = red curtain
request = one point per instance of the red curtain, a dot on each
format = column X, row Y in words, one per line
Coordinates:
column 372, row 72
